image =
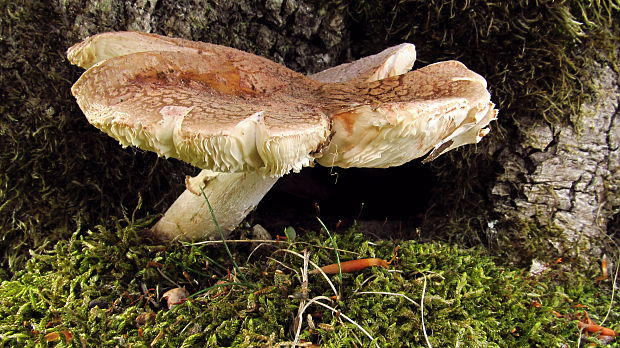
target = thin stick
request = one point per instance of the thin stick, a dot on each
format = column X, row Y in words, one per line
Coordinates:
column 335, row 248
column 272, row 241
column 302, row 303
column 388, row 293
column 253, row 250
column 232, row 241
column 422, row 314
column 300, row 316
column 283, row 265
column 315, row 266
column 343, row 316
column 219, row 230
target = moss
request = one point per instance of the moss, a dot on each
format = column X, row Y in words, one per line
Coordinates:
column 99, row 286
column 95, row 283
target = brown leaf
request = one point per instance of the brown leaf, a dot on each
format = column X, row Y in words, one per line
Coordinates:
column 175, row 296
column 144, row 318
column 52, row 336
column 68, row 335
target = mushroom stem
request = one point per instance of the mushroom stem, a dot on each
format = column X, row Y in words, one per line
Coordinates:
column 231, row 196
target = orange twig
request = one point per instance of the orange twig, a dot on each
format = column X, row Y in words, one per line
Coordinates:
column 587, row 325
column 593, row 328
column 356, row 265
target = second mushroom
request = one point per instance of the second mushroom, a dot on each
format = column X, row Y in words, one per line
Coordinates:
column 246, row 120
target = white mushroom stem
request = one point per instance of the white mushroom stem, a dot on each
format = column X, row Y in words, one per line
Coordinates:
column 231, row 196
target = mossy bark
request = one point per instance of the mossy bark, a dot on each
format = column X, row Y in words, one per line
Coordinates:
column 546, row 181
column 567, row 175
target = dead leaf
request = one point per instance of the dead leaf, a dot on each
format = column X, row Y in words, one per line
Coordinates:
column 587, row 325
column 144, row 318
column 52, row 336
column 68, row 335
column 175, row 296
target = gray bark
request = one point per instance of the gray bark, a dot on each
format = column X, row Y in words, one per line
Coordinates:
column 297, row 33
column 568, row 176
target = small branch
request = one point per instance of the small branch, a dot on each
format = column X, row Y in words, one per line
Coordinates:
column 316, row 267
column 389, row 293
column 422, row 314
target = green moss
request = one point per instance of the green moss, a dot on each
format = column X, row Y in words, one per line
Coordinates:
column 469, row 299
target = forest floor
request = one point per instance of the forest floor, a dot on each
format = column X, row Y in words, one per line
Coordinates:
column 113, row 287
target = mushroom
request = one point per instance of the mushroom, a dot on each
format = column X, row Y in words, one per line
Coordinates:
column 228, row 111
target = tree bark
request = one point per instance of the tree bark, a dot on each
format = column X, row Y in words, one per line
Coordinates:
column 567, row 175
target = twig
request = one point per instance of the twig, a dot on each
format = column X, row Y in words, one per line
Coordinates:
column 315, row 300
column 253, row 250
column 316, row 267
column 232, row 241
column 302, row 303
column 283, row 265
column 422, row 314
column 388, row 293
column 300, row 316
column 270, row 241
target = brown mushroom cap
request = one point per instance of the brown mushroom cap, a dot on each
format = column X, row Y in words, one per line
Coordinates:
column 397, row 119
column 226, row 110
column 100, row 47
column 216, row 110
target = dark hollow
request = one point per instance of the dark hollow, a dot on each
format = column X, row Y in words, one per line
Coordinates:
column 386, row 196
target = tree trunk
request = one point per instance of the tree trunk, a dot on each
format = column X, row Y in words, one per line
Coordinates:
column 567, row 176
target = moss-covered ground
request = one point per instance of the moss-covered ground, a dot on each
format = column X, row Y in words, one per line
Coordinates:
column 103, row 287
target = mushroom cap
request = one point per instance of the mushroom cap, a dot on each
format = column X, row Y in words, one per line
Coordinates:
column 100, row 47
column 226, row 110
column 403, row 117
column 222, row 110
column 392, row 61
